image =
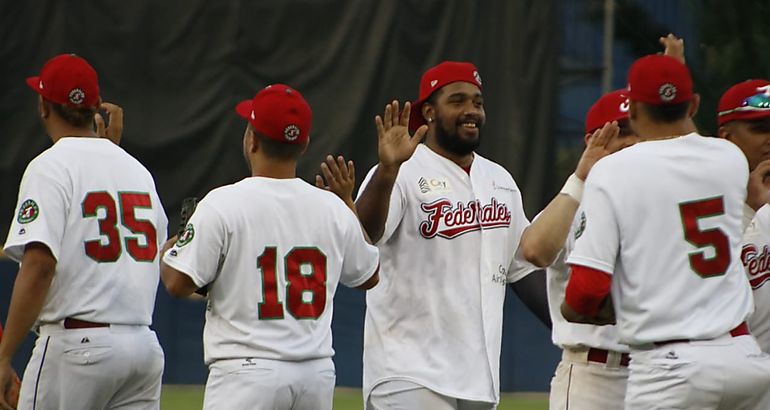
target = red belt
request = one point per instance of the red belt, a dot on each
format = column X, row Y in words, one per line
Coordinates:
column 601, row 356
column 740, row 330
column 72, row 323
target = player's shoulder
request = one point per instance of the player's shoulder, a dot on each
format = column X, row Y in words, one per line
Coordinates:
column 492, row 167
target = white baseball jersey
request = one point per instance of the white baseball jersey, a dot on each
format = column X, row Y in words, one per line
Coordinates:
column 755, row 256
column 95, row 207
column 447, row 253
column 272, row 252
column 567, row 334
column 666, row 217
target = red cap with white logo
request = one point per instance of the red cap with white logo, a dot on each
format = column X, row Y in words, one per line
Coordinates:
column 278, row 112
column 659, row 79
column 68, row 80
column 610, row 107
column 436, row 77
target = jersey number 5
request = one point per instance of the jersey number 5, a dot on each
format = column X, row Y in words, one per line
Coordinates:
column 714, row 238
column 129, row 201
column 300, row 285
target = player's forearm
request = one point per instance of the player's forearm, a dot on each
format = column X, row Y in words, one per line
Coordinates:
column 374, row 202
column 542, row 241
column 177, row 283
column 29, row 293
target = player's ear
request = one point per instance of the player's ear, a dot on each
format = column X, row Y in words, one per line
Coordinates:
column 43, row 108
column 307, row 144
column 586, row 138
column 726, row 132
column 428, row 112
column 633, row 110
column 694, row 105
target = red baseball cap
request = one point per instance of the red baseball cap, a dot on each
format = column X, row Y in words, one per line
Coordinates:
column 280, row 113
column 68, row 80
column 748, row 100
column 436, row 77
column 659, row 79
column 612, row 106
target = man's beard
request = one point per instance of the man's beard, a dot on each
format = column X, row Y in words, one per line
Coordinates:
column 451, row 142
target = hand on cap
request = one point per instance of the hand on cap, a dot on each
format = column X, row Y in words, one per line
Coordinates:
column 758, row 189
column 395, row 145
column 115, row 116
column 340, row 178
column 599, row 146
column 674, row 47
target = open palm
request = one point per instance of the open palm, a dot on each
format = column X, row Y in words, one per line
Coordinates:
column 395, row 145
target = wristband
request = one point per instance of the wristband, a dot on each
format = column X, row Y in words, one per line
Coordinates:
column 573, row 187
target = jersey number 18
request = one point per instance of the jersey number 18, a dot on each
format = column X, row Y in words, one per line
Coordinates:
column 298, row 283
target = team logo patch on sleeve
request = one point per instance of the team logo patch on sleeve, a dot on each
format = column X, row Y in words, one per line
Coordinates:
column 28, row 212
column 582, row 226
column 187, row 236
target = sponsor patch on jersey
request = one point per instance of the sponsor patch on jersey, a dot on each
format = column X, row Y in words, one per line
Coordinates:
column 28, row 212
column 508, row 188
column 434, row 185
column 449, row 220
column 186, row 236
column 581, row 225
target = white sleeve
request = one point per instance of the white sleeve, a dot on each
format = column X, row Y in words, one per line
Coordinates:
column 198, row 250
column 598, row 245
column 396, row 206
column 360, row 260
column 41, row 212
column 519, row 266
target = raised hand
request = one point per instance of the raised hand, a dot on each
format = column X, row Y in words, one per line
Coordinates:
column 603, row 142
column 115, row 116
column 759, row 186
column 674, row 47
column 340, row 177
column 395, row 145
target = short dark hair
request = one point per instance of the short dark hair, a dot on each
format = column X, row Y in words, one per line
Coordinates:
column 668, row 113
column 80, row 117
column 277, row 149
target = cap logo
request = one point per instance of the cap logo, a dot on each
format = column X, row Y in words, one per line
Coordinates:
column 624, row 106
column 667, row 92
column 477, row 77
column 291, row 132
column 77, row 96
column 433, row 83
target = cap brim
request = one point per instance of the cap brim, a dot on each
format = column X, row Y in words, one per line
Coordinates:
column 742, row 116
column 33, row 83
column 244, row 109
column 415, row 116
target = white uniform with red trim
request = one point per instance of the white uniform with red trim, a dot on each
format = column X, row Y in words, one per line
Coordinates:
column 665, row 219
column 756, row 261
column 755, row 256
column 580, row 384
column 272, row 252
column 447, row 253
column 95, row 207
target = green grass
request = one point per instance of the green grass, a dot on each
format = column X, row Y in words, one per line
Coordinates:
column 191, row 397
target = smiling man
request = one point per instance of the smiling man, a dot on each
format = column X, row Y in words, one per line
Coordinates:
column 447, row 222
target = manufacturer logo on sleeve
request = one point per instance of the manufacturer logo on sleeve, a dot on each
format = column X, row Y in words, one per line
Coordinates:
column 28, row 212
column 186, row 236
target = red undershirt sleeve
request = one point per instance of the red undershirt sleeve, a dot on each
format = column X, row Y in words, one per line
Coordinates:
column 586, row 289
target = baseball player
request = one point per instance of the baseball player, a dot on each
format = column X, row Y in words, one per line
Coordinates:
column 271, row 249
column 447, row 222
column 662, row 232
column 87, row 232
column 744, row 119
column 594, row 367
